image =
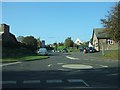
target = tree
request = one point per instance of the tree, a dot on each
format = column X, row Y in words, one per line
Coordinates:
column 55, row 45
column 38, row 43
column 60, row 44
column 30, row 42
column 85, row 44
column 68, row 42
column 48, row 47
column 20, row 38
column 112, row 22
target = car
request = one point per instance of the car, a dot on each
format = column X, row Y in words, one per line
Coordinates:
column 91, row 50
column 65, row 50
column 81, row 49
column 42, row 51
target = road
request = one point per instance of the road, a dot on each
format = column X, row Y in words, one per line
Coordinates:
column 62, row 71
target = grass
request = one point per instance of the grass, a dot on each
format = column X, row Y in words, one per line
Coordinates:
column 73, row 50
column 23, row 58
column 108, row 54
column 111, row 54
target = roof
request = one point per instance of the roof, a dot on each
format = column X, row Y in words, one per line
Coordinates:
column 100, row 33
column 78, row 41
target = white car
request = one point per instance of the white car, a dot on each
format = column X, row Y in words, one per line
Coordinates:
column 42, row 51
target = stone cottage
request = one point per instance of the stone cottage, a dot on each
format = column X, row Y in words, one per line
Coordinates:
column 102, row 40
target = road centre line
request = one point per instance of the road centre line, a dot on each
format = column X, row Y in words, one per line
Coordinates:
column 72, row 58
column 10, row 64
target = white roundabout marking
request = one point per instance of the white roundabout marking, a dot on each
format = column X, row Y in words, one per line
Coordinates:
column 77, row 66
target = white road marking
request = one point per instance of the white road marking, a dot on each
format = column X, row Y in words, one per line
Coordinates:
column 114, row 74
column 63, row 69
column 54, row 81
column 72, row 58
column 85, row 83
column 49, row 65
column 103, row 66
column 60, row 63
column 77, row 66
column 77, row 81
column 8, row 82
column 10, row 64
column 74, row 80
column 31, row 81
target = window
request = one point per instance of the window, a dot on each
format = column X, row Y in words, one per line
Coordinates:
column 109, row 41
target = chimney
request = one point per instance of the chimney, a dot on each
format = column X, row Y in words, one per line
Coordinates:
column 5, row 28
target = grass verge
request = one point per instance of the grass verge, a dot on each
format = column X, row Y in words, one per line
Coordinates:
column 108, row 54
column 23, row 58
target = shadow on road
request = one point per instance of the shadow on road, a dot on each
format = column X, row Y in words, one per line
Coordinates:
column 97, row 79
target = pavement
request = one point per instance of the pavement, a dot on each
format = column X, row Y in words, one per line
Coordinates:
column 69, row 71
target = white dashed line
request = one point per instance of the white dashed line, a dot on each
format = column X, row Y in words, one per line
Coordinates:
column 104, row 66
column 63, row 69
column 77, row 81
column 60, row 63
column 85, row 83
column 86, row 59
column 54, row 81
column 31, row 81
column 8, row 82
column 49, row 65
column 10, row 64
column 47, row 81
column 72, row 58
column 74, row 80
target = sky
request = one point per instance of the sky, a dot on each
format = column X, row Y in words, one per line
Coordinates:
column 55, row 21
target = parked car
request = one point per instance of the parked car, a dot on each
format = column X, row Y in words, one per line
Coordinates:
column 91, row 50
column 42, row 51
column 65, row 50
column 81, row 49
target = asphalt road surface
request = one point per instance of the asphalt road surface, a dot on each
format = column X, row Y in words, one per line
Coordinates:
column 62, row 71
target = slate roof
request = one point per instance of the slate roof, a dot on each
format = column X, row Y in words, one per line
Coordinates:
column 100, row 33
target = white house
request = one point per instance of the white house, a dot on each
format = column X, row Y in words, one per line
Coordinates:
column 78, row 41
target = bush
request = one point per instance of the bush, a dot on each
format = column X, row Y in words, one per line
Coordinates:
column 11, row 52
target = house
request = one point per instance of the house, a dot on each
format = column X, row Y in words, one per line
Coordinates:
column 5, row 35
column 78, row 41
column 101, row 39
column 42, row 43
